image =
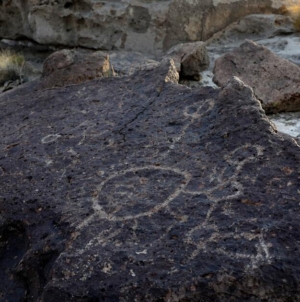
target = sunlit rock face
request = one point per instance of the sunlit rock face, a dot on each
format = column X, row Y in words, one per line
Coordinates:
column 147, row 26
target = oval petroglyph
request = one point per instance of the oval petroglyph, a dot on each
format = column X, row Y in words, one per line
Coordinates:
column 140, row 193
column 144, row 196
column 135, row 192
column 50, row 138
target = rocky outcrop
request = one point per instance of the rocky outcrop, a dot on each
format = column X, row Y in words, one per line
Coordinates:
column 139, row 189
column 275, row 81
column 145, row 26
column 190, row 59
column 68, row 67
column 255, row 27
column 128, row 62
column 276, row 32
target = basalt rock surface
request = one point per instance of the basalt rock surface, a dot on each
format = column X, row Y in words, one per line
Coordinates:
column 146, row 26
column 140, row 189
column 275, row 81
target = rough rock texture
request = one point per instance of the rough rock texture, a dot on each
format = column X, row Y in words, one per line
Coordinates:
column 189, row 58
column 139, row 189
column 275, row 81
column 147, row 26
column 276, row 32
column 128, row 62
column 68, row 67
column 255, row 27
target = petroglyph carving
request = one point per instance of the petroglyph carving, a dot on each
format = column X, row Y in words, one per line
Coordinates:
column 136, row 194
column 188, row 195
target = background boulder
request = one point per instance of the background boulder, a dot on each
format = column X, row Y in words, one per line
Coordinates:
column 190, row 59
column 275, row 81
column 66, row 67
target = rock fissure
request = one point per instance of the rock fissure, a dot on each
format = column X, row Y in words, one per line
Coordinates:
column 133, row 120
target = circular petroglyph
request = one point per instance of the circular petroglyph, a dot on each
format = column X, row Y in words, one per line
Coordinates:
column 139, row 192
column 153, row 203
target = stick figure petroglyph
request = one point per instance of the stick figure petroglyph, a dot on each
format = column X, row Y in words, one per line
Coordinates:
column 138, row 194
column 141, row 197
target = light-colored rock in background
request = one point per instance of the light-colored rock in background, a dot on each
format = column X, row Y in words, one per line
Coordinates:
column 150, row 26
column 287, row 47
column 253, row 27
column 127, row 62
column 66, row 67
column 190, row 59
column 275, row 81
column 58, row 60
column 276, row 32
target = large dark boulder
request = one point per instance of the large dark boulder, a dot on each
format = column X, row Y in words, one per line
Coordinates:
column 139, row 189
